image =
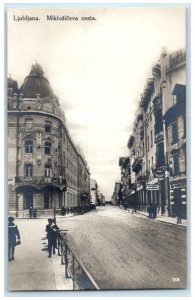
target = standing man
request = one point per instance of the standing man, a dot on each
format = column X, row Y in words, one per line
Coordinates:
column 52, row 234
column 30, row 212
column 13, row 233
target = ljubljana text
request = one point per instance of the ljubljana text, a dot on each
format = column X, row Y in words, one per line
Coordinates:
column 27, row 18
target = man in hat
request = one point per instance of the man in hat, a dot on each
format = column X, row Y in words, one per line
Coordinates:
column 13, row 233
column 52, row 234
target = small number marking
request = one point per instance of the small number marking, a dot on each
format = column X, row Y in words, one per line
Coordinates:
column 176, row 279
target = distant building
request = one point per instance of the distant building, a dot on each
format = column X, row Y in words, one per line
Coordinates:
column 44, row 166
column 93, row 192
column 100, row 199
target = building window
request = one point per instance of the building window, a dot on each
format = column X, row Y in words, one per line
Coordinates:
column 47, row 147
column 160, row 159
column 169, row 134
column 180, row 127
column 174, row 99
column 148, row 143
column 28, row 146
column 151, row 138
column 48, row 171
column 182, row 166
column 28, row 124
column 28, row 170
column 174, row 133
column 47, row 126
column 175, row 165
column 152, row 163
column 158, row 122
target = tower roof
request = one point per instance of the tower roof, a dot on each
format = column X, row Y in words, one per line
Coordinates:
column 35, row 83
column 12, row 84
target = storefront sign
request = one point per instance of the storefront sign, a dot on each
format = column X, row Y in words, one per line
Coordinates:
column 152, row 187
column 159, row 173
column 178, row 185
column 152, row 181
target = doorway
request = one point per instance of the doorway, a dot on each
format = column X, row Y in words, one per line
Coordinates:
column 28, row 200
column 46, row 201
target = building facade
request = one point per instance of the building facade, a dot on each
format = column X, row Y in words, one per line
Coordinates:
column 157, row 144
column 43, row 162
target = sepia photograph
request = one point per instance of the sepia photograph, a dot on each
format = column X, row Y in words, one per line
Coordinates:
column 96, row 148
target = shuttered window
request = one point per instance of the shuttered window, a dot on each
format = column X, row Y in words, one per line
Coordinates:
column 182, row 165
column 169, row 134
column 180, row 127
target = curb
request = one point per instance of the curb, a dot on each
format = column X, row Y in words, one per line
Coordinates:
column 165, row 222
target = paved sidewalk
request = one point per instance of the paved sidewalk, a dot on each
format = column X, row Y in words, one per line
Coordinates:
column 164, row 219
column 32, row 270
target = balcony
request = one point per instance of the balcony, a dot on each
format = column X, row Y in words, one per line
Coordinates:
column 131, row 141
column 159, row 137
column 157, row 102
column 140, row 117
column 156, row 71
column 141, row 133
column 137, row 165
column 40, row 181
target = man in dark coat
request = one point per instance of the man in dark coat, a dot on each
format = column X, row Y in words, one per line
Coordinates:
column 30, row 212
column 13, row 233
column 52, row 234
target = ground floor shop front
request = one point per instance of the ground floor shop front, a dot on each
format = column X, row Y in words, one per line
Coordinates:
column 169, row 196
column 46, row 200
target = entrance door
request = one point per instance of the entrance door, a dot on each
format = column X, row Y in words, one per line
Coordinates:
column 46, row 201
column 29, row 200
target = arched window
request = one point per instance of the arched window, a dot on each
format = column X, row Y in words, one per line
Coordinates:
column 47, row 147
column 28, row 146
column 28, row 170
column 47, row 170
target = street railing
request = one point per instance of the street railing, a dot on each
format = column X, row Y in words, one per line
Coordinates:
column 73, row 268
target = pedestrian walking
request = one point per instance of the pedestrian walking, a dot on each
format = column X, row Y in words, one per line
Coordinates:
column 30, row 212
column 154, row 207
column 52, row 233
column 13, row 234
column 150, row 211
column 63, row 211
column 178, row 210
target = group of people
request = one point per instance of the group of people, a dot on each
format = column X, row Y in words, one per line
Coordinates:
column 52, row 235
column 152, row 210
column 52, row 231
column 76, row 210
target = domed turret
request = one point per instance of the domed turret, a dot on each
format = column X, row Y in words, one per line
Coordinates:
column 35, row 83
column 13, row 85
column 36, row 70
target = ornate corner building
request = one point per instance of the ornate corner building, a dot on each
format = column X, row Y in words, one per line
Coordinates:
column 157, row 144
column 45, row 169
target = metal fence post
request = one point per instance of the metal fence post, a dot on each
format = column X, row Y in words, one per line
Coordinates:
column 62, row 253
column 58, row 245
column 73, row 271
column 66, row 262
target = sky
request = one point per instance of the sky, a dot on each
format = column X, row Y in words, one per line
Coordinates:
column 98, row 69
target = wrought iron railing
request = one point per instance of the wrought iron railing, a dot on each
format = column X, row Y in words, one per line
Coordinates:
column 73, row 267
column 40, row 180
